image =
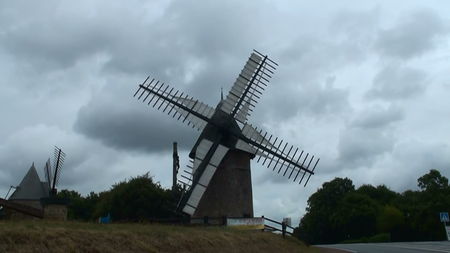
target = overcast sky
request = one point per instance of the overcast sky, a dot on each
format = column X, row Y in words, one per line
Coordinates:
column 364, row 85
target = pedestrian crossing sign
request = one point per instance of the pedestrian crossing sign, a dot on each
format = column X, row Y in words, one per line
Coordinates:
column 444, row 217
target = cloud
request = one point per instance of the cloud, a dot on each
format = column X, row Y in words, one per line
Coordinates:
column 395, row 82
column 130, row 124
column 414, row 36
column 52, row 41
column 355, row 30
column 411, row 158
column 378, row 117
column 361, row 147
column 184, row 37
column 420, row 156
column 310, row 100
column 368, row 136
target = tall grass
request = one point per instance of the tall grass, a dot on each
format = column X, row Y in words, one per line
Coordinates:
column 45, row 236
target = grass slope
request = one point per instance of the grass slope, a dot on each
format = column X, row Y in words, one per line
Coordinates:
column 44, row 236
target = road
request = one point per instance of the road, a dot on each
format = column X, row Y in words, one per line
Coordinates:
column 394, row 247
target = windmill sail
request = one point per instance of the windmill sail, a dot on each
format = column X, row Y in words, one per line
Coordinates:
column 245, row 111
column 241, row 99
column 187, row 174
column 279, row 155
column 175, row 103
column 209, row 161
column 249, row 86
column 204, row 109
column 59, row 157
column 48, row 173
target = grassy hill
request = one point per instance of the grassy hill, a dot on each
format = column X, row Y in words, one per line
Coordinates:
column 44, row 236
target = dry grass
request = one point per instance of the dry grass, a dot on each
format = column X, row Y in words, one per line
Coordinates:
column 44, row 236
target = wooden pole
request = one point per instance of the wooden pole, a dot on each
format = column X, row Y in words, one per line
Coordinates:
column 175, row 167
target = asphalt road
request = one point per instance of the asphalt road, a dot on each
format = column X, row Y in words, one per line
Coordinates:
column 394, row 247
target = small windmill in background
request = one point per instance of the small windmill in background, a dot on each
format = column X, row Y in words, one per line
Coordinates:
column 37, row 198
column 52, row 175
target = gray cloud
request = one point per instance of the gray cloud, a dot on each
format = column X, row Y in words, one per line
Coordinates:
column 185, row 42
column 397, row 82
column 361, row 147
column 378, row 117
column 328, row 99
column 130, row 124
column 309, row 79
column 51, row 41
column 369, row 135
column 413, row 36
column 421, row 156
column 316, row 99
column 308, row 57
column 355, row 31
column 413, row 158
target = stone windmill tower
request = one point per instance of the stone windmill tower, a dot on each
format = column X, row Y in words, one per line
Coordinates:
column 220, row 176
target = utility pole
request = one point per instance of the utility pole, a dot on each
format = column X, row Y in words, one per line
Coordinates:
column 176, row 166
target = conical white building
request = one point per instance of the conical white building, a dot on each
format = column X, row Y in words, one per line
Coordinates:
column 31, row 190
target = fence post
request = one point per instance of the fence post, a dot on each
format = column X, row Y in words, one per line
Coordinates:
column 264, row 220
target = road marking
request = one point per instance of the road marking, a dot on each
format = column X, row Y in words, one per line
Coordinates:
column 392, row 245
column 432, row 250
column 342, row 249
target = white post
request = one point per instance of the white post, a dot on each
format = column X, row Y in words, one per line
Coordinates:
column 447, row 231
column 444, row 219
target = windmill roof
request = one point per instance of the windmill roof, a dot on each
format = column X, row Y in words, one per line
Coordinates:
column 31, row 187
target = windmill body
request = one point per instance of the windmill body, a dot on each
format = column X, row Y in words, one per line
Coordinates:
column 220, row 178
column 230, row 189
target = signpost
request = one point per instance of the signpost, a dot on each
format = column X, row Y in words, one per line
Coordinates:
column 447, row 229
column 444, row 219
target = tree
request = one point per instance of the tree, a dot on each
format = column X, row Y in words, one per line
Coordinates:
column 381, row 194
column 337, row 211
column 79, row 208
column 316, row 226
column 389, row 219
column 433, row 181
column 330, row 194
column 355, row 217
column 137, row 199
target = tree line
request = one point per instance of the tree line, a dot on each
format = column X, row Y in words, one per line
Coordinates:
column 339, row 212
column 136, row 199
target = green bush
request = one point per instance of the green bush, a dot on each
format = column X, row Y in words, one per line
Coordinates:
column 136, row 199
column 384, row 237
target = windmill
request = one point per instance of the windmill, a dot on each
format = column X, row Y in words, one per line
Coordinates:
column 220, row 176
column 52, row 174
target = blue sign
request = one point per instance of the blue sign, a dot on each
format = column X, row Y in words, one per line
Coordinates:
column 105, row 220
column 444, row 217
